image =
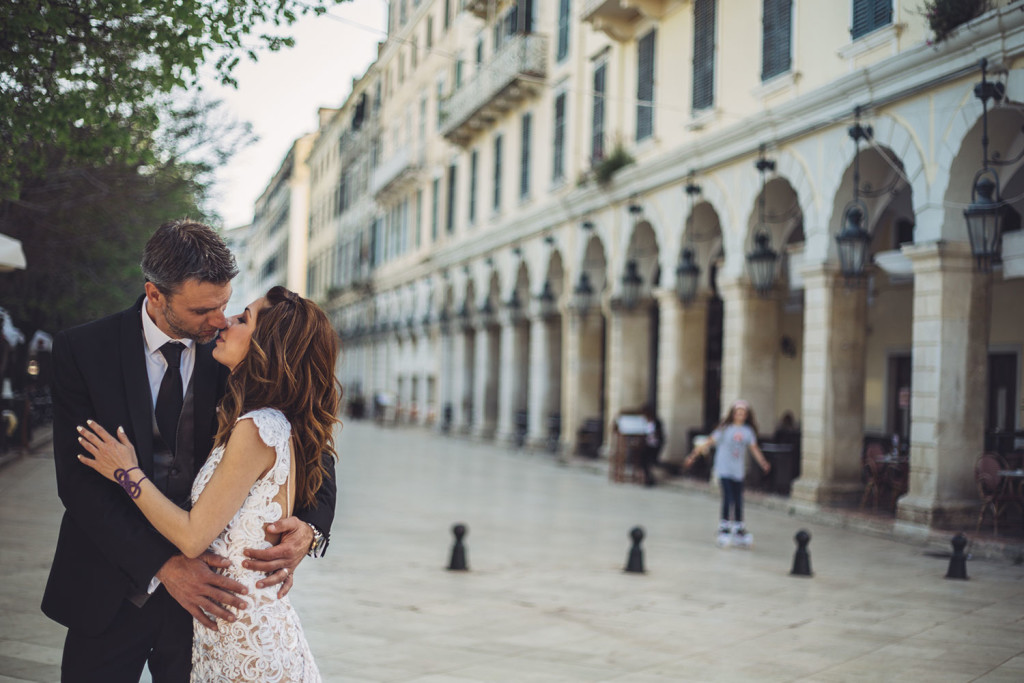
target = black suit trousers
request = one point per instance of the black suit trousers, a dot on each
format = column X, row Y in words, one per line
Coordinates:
column 160, row 631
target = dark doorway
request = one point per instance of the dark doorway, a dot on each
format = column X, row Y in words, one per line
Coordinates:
column 713, row 364
column 652, row 380
column 1000, row 414
column 898, row 400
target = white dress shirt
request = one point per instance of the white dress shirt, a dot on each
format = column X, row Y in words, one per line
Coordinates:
column 156, row 366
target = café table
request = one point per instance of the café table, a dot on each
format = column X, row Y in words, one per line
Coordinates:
column 1012, row 484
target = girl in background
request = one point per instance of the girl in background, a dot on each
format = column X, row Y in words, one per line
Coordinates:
column 736, row 433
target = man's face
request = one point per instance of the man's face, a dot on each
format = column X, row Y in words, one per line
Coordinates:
column 195, row 311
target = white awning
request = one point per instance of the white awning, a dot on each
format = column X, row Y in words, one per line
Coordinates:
column 11, row 255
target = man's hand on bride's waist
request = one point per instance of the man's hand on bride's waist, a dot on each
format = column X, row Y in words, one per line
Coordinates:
column 278, row 562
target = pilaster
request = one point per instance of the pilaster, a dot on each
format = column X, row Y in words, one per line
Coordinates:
column 749, row 345
column 486, row 384
column 832, row 410
column 947, row 403
column 682, row 348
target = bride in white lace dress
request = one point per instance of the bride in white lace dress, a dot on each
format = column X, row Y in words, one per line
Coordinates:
column 275, row 422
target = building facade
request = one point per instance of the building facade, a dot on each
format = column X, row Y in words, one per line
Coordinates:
column 505, row 209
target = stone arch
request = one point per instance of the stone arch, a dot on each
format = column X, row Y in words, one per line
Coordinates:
column 643, row 248
column 1006, row 141
column 702, row 233
column 784, row 219
column 594, row 263
column 555, row 274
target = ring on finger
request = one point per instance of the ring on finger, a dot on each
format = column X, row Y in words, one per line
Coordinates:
column 285, row 570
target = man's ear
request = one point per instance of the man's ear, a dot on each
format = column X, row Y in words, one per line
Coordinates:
column 152, row 293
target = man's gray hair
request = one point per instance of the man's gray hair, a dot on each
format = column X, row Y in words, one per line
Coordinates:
column 184, row 250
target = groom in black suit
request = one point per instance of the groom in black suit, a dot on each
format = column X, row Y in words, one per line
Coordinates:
column 124, row 592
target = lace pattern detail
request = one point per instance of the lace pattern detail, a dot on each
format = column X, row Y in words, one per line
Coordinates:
column 266, row 642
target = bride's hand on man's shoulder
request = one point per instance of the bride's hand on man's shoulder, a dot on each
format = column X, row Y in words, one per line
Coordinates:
column 109, row 453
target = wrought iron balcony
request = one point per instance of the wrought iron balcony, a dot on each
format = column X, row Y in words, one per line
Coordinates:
column 516, row 73
column 397, row 170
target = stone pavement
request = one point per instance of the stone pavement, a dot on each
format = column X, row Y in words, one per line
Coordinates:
column 546, row 598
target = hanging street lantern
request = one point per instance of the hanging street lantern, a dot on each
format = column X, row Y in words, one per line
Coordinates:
column 631, row 282
column 762, row 259
column 687, row 276
column 515, row 306
column 583, row 294
column 853, row 241
column 985, row 212
column 546, row 300
column 761, row 263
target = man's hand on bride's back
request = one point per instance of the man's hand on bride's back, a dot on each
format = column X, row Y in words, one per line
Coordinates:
column 201, row 590
column 278, row 562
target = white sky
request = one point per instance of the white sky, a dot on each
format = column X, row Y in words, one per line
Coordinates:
column 280, row 94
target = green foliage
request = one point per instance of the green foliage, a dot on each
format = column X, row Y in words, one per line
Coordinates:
column 944, row 16
column 83, row 227
column 92, row 155
column 80, row 79
column 610, row 165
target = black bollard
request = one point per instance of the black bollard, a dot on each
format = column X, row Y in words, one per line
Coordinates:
column 958, row 563
column 802, row 559
column 458, row 563
column 635, row 563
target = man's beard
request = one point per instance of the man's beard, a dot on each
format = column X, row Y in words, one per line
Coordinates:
column 183, row 333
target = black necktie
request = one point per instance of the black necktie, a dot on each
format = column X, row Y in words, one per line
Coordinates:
column 171, row 395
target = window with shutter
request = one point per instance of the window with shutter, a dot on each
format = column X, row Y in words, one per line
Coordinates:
column 473, row 158
column 563, row 30
column 435, row 208
column 597, row 119
column 870, row 15
column 450, row 215
column 524, row 158
column 777, row 38
column 645, row 87
column 703, row 54
column 558, row 165
column 497, row 172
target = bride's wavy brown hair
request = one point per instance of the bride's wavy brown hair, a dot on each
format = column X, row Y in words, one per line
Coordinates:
column 290, row 366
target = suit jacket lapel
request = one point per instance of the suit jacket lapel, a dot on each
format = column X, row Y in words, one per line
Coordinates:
column 205, row 395
column 136, row 385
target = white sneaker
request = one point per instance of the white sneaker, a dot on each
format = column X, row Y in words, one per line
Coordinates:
column 743, row 539
column 724, row 539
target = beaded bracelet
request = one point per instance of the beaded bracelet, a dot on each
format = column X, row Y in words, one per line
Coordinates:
column 132, row 488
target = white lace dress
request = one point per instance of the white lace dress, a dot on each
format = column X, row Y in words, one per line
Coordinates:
column 266, row 642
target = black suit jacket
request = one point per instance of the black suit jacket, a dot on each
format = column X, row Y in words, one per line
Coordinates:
column 107, row 549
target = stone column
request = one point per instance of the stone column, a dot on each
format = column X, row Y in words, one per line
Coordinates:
column 510, row 381
column 750, row 344
column 832, row 410
column 682, row 349
column 584, row 397
column 485, row 384
column 947, row 403
column 458, row 375
column 629, row 369
column 444, row 379
column 545, row 376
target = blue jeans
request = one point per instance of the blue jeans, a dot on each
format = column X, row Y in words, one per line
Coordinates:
column 732, row 497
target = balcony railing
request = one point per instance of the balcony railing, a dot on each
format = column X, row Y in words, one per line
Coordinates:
column 401, row 166
column 515, row 74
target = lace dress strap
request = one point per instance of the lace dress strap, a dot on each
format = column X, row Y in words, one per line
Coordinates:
column 275, row 430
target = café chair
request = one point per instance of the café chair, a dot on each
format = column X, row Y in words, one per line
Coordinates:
column 874, row 471
column 993, row 490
